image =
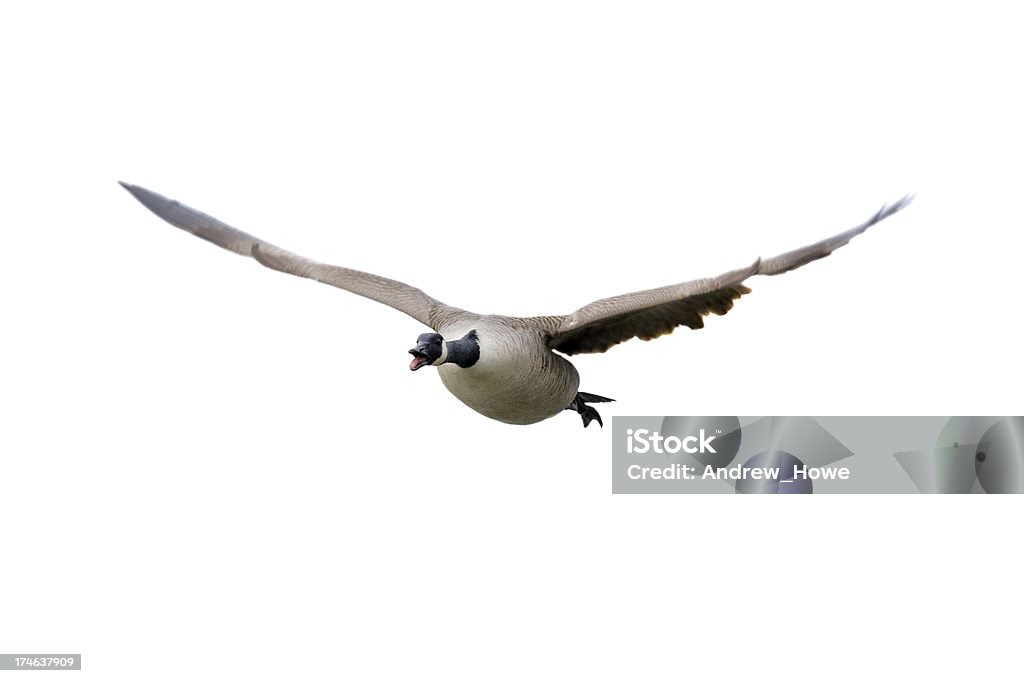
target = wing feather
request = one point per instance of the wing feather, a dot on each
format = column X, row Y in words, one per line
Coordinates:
column 398, row 295
column 651, row 313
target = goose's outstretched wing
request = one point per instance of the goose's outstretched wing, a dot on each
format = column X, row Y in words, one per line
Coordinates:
column 399, row 295
column 651, row 313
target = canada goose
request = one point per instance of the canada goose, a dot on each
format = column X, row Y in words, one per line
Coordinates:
column 504, row 367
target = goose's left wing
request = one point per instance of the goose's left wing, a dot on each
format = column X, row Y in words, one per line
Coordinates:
column 651, row 313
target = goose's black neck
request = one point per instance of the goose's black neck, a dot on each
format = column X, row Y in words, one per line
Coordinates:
column 464, row 352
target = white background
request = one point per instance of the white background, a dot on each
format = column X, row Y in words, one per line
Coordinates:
column 210, row 470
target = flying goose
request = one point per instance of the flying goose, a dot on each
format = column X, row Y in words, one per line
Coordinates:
column 506, row 367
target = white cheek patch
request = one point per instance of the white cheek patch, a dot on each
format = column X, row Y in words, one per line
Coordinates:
column 444, row 354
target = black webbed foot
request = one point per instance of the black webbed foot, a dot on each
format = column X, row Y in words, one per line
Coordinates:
column 588, row 413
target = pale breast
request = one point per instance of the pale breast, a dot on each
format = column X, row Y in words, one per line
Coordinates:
column 517, row 378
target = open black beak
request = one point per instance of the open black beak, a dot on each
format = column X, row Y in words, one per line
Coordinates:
column 419, row 357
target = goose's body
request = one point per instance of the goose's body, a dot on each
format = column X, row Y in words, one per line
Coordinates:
column 508, row 368
column 517, row 379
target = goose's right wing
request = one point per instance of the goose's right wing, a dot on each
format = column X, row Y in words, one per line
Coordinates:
column 398, row 295
column 651, row 313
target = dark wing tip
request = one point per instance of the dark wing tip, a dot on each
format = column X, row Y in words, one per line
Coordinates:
column 157, row 203
column 904, row 200
column 134, row 190
column 890, row 209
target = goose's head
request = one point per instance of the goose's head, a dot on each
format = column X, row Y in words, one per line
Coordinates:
column 429, row 348
column 432, row 349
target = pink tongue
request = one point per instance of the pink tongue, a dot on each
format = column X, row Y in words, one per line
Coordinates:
column 416, row 363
